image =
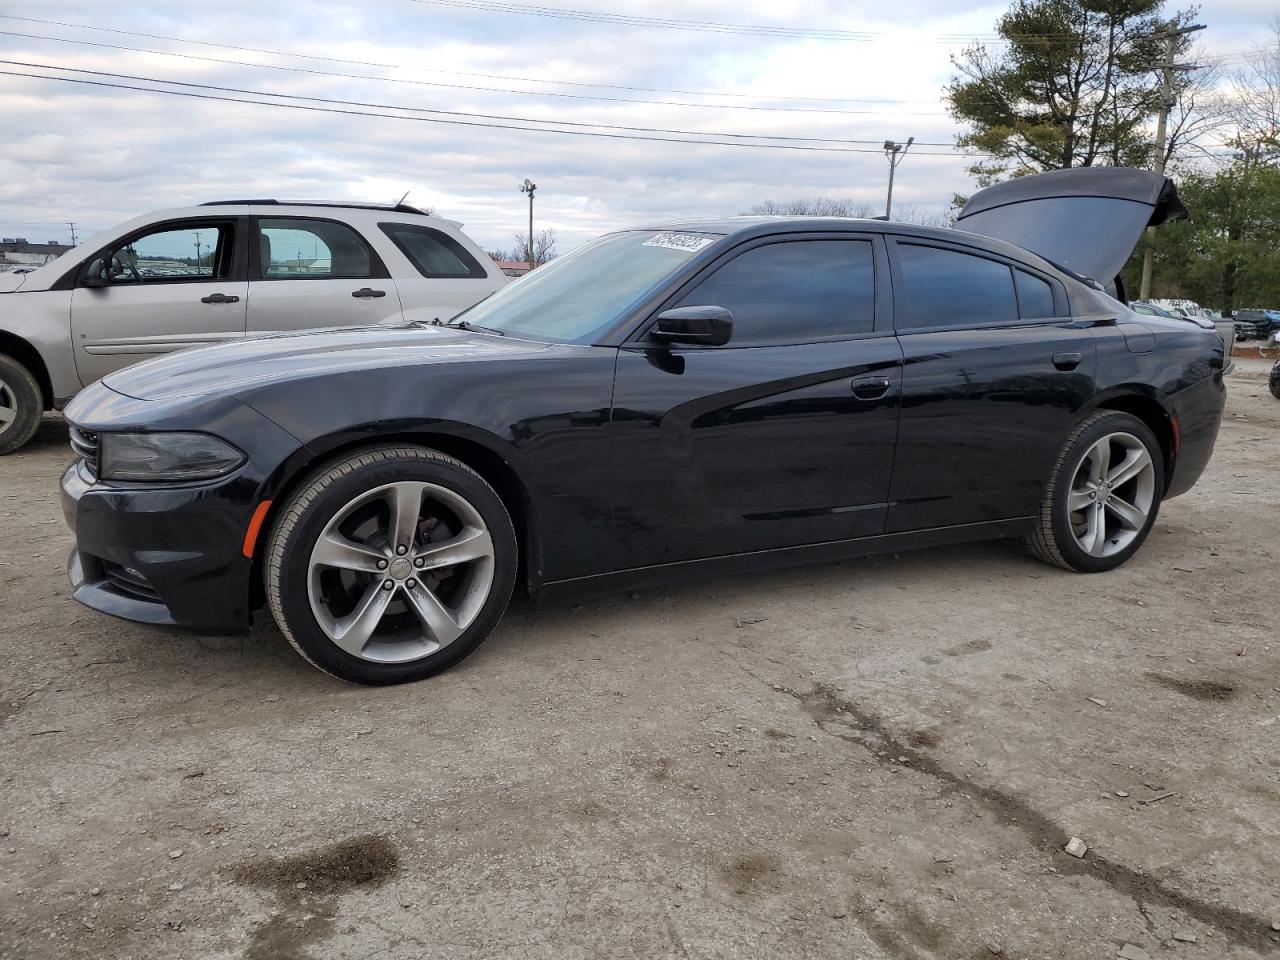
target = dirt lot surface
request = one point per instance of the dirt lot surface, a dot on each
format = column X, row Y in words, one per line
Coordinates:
column 887, row 765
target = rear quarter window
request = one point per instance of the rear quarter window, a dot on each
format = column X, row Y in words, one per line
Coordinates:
column 433, row 253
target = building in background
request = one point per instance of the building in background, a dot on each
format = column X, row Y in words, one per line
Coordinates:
column 17, row 253
column 513, row 268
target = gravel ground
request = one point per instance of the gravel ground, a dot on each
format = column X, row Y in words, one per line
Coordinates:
column 887, row 765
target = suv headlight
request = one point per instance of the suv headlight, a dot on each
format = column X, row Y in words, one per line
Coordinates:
column 165, row 456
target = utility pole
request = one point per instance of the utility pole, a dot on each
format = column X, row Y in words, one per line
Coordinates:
column 197, row 252
column 528, row 187
column 72, row 225
column 1167, row 100
column 896, row 152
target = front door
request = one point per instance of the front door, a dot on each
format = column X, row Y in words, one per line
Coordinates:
column 310, row 272
column 995, row 373
column 782, row 437
column 176, row 285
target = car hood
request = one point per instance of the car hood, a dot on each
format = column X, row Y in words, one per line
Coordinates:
column 243, row 365
column 10, row 282
column 1088, row 219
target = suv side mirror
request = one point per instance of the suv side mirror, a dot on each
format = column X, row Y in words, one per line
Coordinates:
column 709, row 325
column 95, row 274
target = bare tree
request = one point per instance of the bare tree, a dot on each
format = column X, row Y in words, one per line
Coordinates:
column 923, row 216
column 1255, row 102
column 544, row 247
column 817, row 207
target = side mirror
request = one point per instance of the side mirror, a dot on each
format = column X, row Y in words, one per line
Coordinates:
column 709, row 325
column 95, row 274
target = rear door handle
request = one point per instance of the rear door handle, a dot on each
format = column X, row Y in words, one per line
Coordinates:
column 1067, row 361
column 366, row 293
column 219, row 298
column 870, row 388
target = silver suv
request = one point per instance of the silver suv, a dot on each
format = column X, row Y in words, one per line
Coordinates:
column 182, row 278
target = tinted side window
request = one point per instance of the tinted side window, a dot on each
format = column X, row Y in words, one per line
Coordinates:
column 291, row 249
column 1035, row 297
column 433, row 253
column 946, row 288
column 794, row 291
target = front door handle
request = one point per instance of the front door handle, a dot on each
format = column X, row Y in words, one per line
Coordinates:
column 366, row 293
column 1067, row 361
column 870, row 388
column 219, row 298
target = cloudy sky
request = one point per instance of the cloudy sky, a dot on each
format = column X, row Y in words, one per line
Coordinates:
column 101, row 154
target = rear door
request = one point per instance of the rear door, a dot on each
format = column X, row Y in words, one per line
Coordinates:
column 995, row 371
column 176, row 284
column 782, row 437
column 307, row 272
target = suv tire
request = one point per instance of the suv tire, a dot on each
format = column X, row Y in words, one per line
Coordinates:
column 21, row 404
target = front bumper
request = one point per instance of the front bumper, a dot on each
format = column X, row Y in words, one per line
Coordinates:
column 167, row 556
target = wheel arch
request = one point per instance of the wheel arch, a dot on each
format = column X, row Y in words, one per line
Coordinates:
column 1146, row 407
column 484, row 459
column 27, row 355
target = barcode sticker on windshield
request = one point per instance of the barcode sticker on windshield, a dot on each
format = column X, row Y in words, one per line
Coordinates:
column 688, row 242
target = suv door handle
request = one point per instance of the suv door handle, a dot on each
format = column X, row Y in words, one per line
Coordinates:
column 1067, row 361
column 870, row 388
column 365, row 293
column 219, row 298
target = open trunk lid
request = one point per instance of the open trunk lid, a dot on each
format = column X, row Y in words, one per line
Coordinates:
column 1088, row 219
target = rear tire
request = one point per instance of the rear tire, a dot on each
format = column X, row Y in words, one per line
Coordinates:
column 21, row 404
column 1103, row 495
column 1275, row 387
column 390, row 565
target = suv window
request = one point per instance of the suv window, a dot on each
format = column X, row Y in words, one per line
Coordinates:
column 796, row 290
column 946, row 288
column 301, row 249
column 172, row 253
column 434, row 253
column 1035, row 296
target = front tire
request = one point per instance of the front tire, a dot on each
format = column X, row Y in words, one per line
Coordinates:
column 21, row 404
column 390, row 565
column 1103, row 495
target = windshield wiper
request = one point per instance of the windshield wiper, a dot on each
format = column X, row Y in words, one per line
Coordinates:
column 464, row 325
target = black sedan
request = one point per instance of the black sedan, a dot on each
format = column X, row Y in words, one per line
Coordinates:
column 690, row 398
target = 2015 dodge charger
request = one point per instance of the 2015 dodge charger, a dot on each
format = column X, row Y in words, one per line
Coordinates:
column 692, row 397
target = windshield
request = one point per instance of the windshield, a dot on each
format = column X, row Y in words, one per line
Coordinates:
column 577, row 297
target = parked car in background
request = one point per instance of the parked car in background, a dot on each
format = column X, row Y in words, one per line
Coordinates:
column 696, row 397
column 1190, row 310
column 1265, row 322
column 1148, row 309
column 216, row 272
column 1244, row 329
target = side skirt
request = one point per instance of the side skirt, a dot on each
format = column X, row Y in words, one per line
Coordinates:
column 780, row 557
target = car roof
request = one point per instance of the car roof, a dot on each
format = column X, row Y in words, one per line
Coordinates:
column 745, row 228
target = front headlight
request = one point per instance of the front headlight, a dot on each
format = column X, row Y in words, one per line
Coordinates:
column 165, row 456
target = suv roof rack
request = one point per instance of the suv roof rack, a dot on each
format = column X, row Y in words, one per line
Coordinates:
column 393, row 207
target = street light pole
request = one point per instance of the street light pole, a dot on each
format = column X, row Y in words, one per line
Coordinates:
column 528, row 187
column 895, row 152
column 1167, row 100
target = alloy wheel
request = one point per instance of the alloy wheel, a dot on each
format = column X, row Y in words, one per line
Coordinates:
column 400, row 572
column 1112, row 492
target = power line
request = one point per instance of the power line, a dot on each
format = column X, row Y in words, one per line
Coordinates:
column 457, row 86
column 456, row 73
column 447, row 113
column 620, row 19
column 448, row 119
